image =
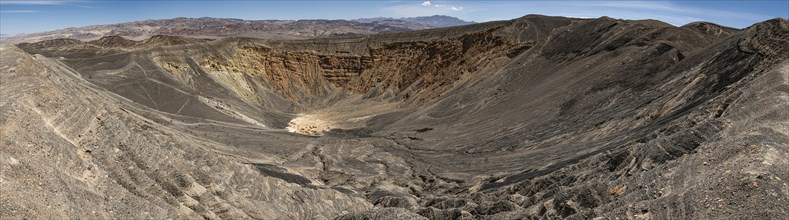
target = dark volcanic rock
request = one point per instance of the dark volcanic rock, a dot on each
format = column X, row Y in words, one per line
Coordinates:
column 383, row 214
column 533, row 118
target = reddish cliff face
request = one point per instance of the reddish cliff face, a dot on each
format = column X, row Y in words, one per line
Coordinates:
column 414, row 70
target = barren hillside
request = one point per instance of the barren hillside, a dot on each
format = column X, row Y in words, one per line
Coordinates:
column 533, row 118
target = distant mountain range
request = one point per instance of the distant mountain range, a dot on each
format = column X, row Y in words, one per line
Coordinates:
column 435, row 21
column 221, row 27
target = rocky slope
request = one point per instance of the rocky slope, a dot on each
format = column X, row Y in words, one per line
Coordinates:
column 108, row 45
column 536, row 117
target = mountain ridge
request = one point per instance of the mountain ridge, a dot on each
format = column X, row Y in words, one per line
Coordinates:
column 434, row 21
column 208, row 27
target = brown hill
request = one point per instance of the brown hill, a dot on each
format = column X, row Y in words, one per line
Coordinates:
column 113, row 41
column 103, row 46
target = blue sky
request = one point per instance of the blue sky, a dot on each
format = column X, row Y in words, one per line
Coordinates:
column 36, row 16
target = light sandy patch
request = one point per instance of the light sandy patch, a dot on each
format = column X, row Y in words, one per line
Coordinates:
column 349, row 114
column 309, row 125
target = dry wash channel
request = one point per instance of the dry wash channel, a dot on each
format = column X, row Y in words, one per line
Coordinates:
column 537, row 117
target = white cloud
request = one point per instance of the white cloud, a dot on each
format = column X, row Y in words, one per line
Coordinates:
column 18, row 11
column 426, row 8
column 74, row 3
column 414, row 10
column 35, row 2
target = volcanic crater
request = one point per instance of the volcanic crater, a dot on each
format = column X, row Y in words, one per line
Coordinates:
column 533, row 118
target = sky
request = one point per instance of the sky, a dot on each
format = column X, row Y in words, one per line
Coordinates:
column 36, row 16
